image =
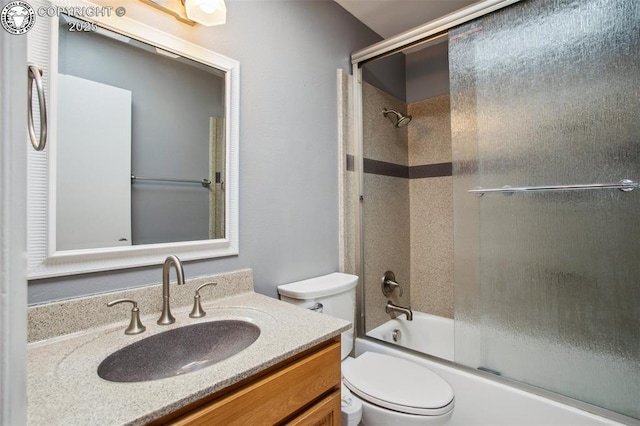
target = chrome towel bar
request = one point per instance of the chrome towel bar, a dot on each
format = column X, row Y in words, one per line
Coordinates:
column 625, row 185
column 204, row 182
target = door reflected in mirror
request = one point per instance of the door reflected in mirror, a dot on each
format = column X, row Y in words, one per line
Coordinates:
column 141, row 152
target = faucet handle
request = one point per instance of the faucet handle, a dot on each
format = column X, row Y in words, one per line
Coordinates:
column 135, row 325
column 197, row 311
column 389, row 284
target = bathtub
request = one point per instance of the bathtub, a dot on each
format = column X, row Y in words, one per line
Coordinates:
column 482, row 401
column 429, row 334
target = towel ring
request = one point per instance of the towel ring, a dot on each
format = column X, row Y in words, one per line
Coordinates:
column 35, row 74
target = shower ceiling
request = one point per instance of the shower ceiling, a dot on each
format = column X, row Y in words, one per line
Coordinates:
column 391, row 17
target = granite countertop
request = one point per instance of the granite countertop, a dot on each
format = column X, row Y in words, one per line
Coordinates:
column 64, row 388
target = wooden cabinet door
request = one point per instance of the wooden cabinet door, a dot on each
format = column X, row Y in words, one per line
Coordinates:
column 326, row 412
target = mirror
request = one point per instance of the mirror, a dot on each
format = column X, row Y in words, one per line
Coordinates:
column 142, row 155
column 155, row 121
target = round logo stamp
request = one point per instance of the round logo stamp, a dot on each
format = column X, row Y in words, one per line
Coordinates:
column 17, row 17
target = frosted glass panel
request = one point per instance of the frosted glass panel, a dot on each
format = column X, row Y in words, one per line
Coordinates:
column 547, row 284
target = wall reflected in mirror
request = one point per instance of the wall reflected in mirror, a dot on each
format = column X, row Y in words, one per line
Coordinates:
column 126, row 108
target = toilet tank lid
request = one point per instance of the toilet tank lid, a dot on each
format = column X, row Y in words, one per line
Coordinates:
column 325, row 285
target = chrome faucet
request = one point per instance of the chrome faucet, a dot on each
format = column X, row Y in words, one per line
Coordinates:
column 390, row 307
column 166, row 318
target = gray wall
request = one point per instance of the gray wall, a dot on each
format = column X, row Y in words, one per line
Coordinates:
column 289, row 52
column 170, row 138
column 428, row 72
column 388, row 74
column 416, row 76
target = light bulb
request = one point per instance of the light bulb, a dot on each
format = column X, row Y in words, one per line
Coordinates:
column 206, row 12
column 207, row 8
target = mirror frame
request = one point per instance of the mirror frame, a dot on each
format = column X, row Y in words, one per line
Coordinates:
column 44, row 260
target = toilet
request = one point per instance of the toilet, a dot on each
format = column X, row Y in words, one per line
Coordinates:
column 377, row 389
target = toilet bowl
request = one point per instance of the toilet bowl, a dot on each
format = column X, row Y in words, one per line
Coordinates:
column 351, row 408
column 382, row 389
column 394, row 391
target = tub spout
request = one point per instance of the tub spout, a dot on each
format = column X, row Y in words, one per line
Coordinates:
column 390, row 307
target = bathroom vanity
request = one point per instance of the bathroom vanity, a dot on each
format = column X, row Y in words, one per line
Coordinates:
column 290, row 374
column 303, row 389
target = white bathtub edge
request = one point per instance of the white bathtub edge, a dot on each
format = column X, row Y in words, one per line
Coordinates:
column 481, row 401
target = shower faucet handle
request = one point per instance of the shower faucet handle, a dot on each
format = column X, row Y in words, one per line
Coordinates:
column 389, row 284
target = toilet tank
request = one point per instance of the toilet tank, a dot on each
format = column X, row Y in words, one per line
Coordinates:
column 335, row 292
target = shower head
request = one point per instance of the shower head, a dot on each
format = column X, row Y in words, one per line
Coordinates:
column 400, row 119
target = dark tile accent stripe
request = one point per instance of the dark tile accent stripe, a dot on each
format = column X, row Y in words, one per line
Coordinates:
column 430, row 170
column 350, row 163
column 385, row 169
column 396, row 170
column 468, row 167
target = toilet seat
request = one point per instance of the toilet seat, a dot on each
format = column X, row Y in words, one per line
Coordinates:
column 398, row 385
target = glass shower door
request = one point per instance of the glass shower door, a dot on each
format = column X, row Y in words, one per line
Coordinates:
column 547, row 282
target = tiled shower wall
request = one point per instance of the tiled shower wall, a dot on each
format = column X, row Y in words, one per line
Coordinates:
column 386, row 223
column 347, row 178
column 408, row 201
column 408, row 205
column 431, row 206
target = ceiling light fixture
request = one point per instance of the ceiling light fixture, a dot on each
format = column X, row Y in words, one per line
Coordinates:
column 203, row 12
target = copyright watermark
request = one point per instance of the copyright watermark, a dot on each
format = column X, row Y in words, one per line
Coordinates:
column 18, row 17
column 81, row 11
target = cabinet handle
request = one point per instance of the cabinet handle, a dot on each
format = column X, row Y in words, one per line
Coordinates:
column 35, row 74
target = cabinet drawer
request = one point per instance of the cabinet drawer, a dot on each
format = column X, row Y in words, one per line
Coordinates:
column 275, row 397
column 327, row 412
